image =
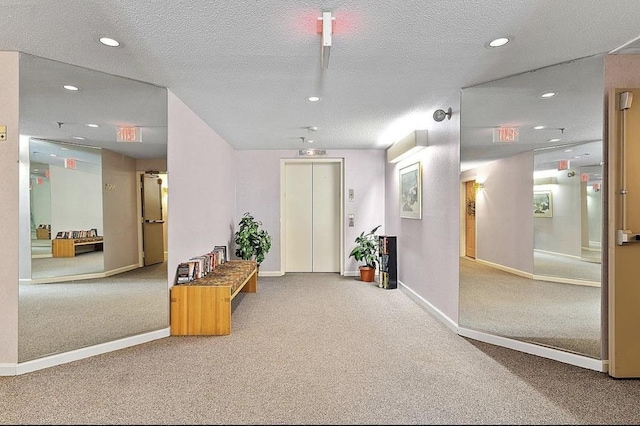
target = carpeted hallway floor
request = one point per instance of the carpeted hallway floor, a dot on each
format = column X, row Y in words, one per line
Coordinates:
column 319, row 349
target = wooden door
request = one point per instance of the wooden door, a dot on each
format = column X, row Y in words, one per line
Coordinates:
column 470, row 220
column 152, row 219
column 623, row 288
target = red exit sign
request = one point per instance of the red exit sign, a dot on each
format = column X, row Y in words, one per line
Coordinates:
column 129, row 134
column 505, row 134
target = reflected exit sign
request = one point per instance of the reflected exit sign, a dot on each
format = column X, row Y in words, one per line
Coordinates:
column 505, row 134
column 129, row 134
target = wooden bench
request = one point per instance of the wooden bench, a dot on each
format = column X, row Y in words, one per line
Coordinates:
column 203, row 307
column 69, row 247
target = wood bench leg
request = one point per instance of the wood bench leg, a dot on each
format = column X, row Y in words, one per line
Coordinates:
column 252, row 285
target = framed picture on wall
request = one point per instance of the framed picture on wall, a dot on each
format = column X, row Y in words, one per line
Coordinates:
column 542, row 204
column 411, row 192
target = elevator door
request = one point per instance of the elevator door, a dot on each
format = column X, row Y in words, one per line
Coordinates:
column 312, row 217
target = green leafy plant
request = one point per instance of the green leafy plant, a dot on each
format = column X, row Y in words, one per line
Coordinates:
column 366, row 249
column 251, row 241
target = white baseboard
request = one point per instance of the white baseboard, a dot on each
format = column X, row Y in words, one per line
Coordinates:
column 567, row 281
column 555, row 253
column 506, row 268
column 48, row 280
column 270, row 273
column 63, row 358
column 423, row 303
column 542, row 351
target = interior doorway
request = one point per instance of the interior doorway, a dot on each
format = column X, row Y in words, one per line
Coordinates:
column 470, row 219
column 153, row 223
column 311, row 215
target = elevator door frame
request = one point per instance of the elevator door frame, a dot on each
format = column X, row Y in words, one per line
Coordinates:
column 285, row 161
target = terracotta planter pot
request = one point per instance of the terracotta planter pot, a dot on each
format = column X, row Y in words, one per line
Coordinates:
column 367, row 273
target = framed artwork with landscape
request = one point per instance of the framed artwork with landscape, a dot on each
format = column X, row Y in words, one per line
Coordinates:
column 542, row 204
column 411, row 192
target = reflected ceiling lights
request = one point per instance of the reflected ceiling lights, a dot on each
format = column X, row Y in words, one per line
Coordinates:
column 92, row 125
column 538, row 127
column 80, row 138
column 71, row 88
column 313, row 98
column 554, row 140
column 548, row 95
column 109, row 42
column 498, row 42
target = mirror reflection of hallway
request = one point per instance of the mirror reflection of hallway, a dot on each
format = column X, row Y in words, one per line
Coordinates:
column 64, row 197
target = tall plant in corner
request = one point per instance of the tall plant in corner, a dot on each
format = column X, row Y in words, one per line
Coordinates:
column 366, row 250
column 252, row 242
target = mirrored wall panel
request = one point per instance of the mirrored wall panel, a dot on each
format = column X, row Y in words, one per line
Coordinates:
column 531, row 180
column 89, row 137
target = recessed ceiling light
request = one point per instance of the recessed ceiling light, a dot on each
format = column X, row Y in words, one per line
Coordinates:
column 92, row 125
column 554, row 140
column 71, row 88
column 539, row 127
column 548, row 95
column 313, row 98
column 501, row 41
column 52, row 155
column 568, row 150
column 310, row 141
column 109, row 42
column 80, row 138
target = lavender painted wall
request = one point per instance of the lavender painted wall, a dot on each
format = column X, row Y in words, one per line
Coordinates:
column 561, row 233
column 258, row 192
column 9, row 229
column 428, row 249
column 201, row 199
column 504, row 217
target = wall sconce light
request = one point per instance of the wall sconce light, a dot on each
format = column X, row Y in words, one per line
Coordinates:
column 407, row 146
column 440, row 114
column 478, row 186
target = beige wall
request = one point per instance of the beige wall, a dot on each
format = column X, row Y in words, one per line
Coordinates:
column 9, row 193
column 120, row 211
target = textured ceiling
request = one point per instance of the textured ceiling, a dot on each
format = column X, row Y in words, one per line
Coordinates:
column 246, row 66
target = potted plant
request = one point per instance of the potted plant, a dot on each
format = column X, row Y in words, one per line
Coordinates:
column 251, row 241
column 366, row 250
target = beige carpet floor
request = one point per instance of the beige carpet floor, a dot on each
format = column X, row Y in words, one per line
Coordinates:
column 319, row 349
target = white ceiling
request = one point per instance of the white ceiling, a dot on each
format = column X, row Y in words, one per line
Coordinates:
column 246, row 66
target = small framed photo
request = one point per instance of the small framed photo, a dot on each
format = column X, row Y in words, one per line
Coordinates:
column 411, row 192
column 542, row 204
